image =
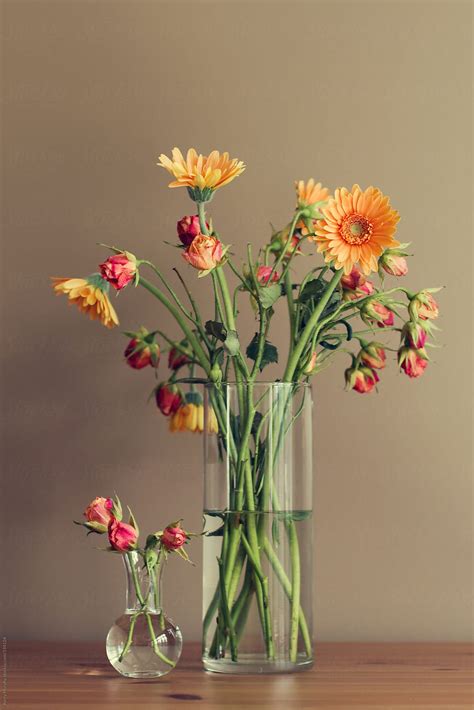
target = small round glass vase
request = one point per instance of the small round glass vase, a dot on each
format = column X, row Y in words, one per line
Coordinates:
column 143, row 642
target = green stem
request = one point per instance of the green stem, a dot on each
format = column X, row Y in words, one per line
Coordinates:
column 154, row 643
column 191, row 337
column 128, row 643
column 286, row 584
column 295, row 589
column 311, row 324
column 226, row 611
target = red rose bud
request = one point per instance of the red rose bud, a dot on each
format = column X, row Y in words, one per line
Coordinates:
column 412, row 362
column 122, row 536
column 176, row 358
column 394, row 264
column 373, row 355
column 142, row 351
column 362, row 380
column 98, row 514
column 424, row 306
column 173, row 537
column 204, row 253
column 119, row 270
column 168, row 398
column 414, row 335
column 375, row 312
column 263, row 275
column 188, row 228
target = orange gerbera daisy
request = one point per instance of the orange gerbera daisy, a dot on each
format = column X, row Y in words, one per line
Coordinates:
column 309, row 193
column 201, row 174
column 90, row 296
column 356, row 228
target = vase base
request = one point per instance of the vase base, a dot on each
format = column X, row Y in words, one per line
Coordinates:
column 255, row 666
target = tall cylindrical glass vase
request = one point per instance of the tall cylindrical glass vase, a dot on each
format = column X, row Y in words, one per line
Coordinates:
column 257, row 587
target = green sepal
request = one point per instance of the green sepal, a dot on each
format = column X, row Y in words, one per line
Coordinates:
column 116, row 508
column 198, row 194
column 132, row 521
column 193, row 398
column 92, row 527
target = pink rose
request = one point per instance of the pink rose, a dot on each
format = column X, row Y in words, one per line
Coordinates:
column 122, row 536
column 355, row 285
column 375, row 312
column 119, row 270
column 263, row 275
column 139, row 354
column 176, row 359
column 99, row 511
column 394, row 264
column 204, row 252
column 425, row 306
column 353, row 280
column 173, row 537
column 414, row 335
column 373, row 355
column 412, row 362
column 362, row 380
column 168, row 398
column 188, row 228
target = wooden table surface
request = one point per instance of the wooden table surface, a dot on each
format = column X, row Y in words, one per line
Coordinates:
column 347, row 676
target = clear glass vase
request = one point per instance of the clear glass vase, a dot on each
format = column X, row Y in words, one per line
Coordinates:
column 257, row 566
column 143, row 642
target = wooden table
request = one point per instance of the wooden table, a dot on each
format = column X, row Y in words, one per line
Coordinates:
column 347, row 676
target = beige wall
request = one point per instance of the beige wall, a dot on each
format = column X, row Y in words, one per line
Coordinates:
column 95, row 90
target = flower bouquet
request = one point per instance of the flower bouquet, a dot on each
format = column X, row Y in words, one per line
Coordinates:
column 257, row 596
column 143, row 642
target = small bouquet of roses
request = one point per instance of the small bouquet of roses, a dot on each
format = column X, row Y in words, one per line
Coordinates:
column 144, row 567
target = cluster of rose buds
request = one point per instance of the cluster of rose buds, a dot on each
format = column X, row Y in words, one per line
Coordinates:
column 104, row 515
column 362, row 377
column 202, row 251
column 412, row 356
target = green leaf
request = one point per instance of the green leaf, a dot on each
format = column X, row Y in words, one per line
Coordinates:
column 270, row 353
column 151, row 557
column 216, row 329
column 268, row 295
column 216, row 533
column 151, row 542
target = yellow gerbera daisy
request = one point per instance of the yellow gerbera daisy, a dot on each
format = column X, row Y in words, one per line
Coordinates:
column 190, row 417
column 356, row 228
column 201, row 174
column 90, row 296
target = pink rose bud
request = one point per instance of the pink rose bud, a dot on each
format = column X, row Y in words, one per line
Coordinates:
column 176, row 358
column 311, row 364
column 353, row 280
column 412, row 362
column 424, row 306
column 188, row 228
column 414, row 335
column 375, row 312
column 140, row 353
column 99, row 511
column 263, row 275
column 394, row 264
column 373, row 355
column 122, row 536
column 173, row 537
column 168, row 398
column 362, row 380
column 204, row 252
column 355, row 285
column 119, row 270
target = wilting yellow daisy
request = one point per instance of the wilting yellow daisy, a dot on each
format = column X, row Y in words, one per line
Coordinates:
column 201, row 174
column 190, row 417
column 356, row 228
column 90, row 296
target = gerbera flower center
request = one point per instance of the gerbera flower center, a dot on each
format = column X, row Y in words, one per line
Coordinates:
column 356, row 229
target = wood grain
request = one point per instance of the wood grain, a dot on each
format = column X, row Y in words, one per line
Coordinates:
column 347, row 676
